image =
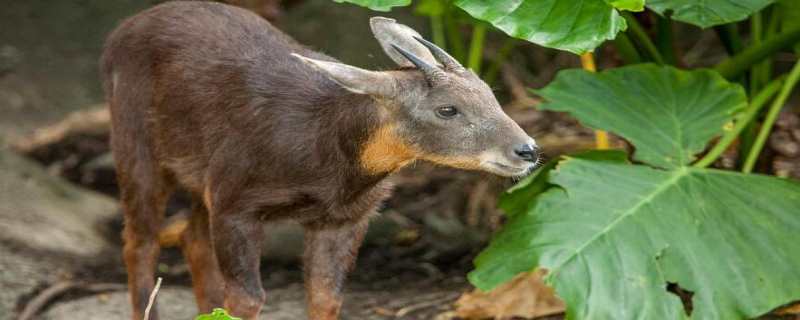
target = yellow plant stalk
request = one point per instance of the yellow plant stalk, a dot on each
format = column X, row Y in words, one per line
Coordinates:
column 600, row 136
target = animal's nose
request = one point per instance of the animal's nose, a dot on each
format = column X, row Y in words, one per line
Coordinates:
column 527, row 152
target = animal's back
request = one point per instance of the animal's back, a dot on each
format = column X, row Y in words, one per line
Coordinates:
column 198, row 32
column 178, row 75
column 209, row 47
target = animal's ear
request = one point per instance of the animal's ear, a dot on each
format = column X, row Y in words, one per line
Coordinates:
column 389, row 33
column 354, row 79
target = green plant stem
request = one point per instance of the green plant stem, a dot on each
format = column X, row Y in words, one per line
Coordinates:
column 664, row 40
column 626, row 49
column 734, row 66
column 756, row 34
column 746, row 139
column 454, row 37
column 748, row 134
column 772, row 115
column 763, row 70
column 760, row 73
column 742, row 121
column 502, row 55
column 600, row 137
column 638, row 33
column 476, row 48
column 757, row 27
column 437, row 28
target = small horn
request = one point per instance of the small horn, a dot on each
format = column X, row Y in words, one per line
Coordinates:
column 433, row 74
column 450, row 63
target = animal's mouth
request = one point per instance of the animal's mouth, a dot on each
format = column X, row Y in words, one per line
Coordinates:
column 508, row 170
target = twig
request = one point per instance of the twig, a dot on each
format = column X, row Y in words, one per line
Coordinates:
column 36, row 304
column 94, row 121
column 152, row 299
column 423, row 305
column 103, row 287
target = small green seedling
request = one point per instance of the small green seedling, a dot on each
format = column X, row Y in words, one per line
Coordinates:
column 217, row 314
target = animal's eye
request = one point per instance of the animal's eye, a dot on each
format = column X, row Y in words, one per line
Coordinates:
column 447, row 112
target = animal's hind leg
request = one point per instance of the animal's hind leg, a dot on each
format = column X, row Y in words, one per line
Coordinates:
column 143, row 200
column 144, row 186
column 207, row 280
column 144, row 191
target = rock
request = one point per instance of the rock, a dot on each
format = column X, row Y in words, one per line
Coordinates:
column 47, row 213
column 48, row 227
column 173, row 303
column 49, row 57
column 785, row 142
column 10, row 57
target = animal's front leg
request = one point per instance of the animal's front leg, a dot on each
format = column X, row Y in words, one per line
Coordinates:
column 237, row 243
column 330, row 252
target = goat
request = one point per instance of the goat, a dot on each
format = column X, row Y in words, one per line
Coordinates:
column 258, row 128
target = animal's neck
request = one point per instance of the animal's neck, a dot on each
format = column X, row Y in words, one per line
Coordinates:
column 366, row 133
column 384, row 152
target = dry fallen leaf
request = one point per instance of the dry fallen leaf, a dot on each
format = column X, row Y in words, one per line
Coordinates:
column 792, row 309
column 525, row 296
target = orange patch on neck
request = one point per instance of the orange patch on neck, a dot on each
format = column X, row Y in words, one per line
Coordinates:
column 385, row 152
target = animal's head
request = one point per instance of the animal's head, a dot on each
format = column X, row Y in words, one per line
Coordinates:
column 436, row 109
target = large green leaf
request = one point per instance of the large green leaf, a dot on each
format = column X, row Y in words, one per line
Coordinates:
column 631, row 5
column 730, row 238
column 707, row 13
column 668, row 114
column 577, row 26
column 378, row 5
column 520, row 197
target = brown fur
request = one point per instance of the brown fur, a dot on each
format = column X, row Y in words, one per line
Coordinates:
column 208, row 97
column 220, row 112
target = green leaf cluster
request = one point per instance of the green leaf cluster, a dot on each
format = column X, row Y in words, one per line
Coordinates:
column 580, row 26
column 216, row 314
column 577, row 26
column 613, row 235
column 671, row 117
